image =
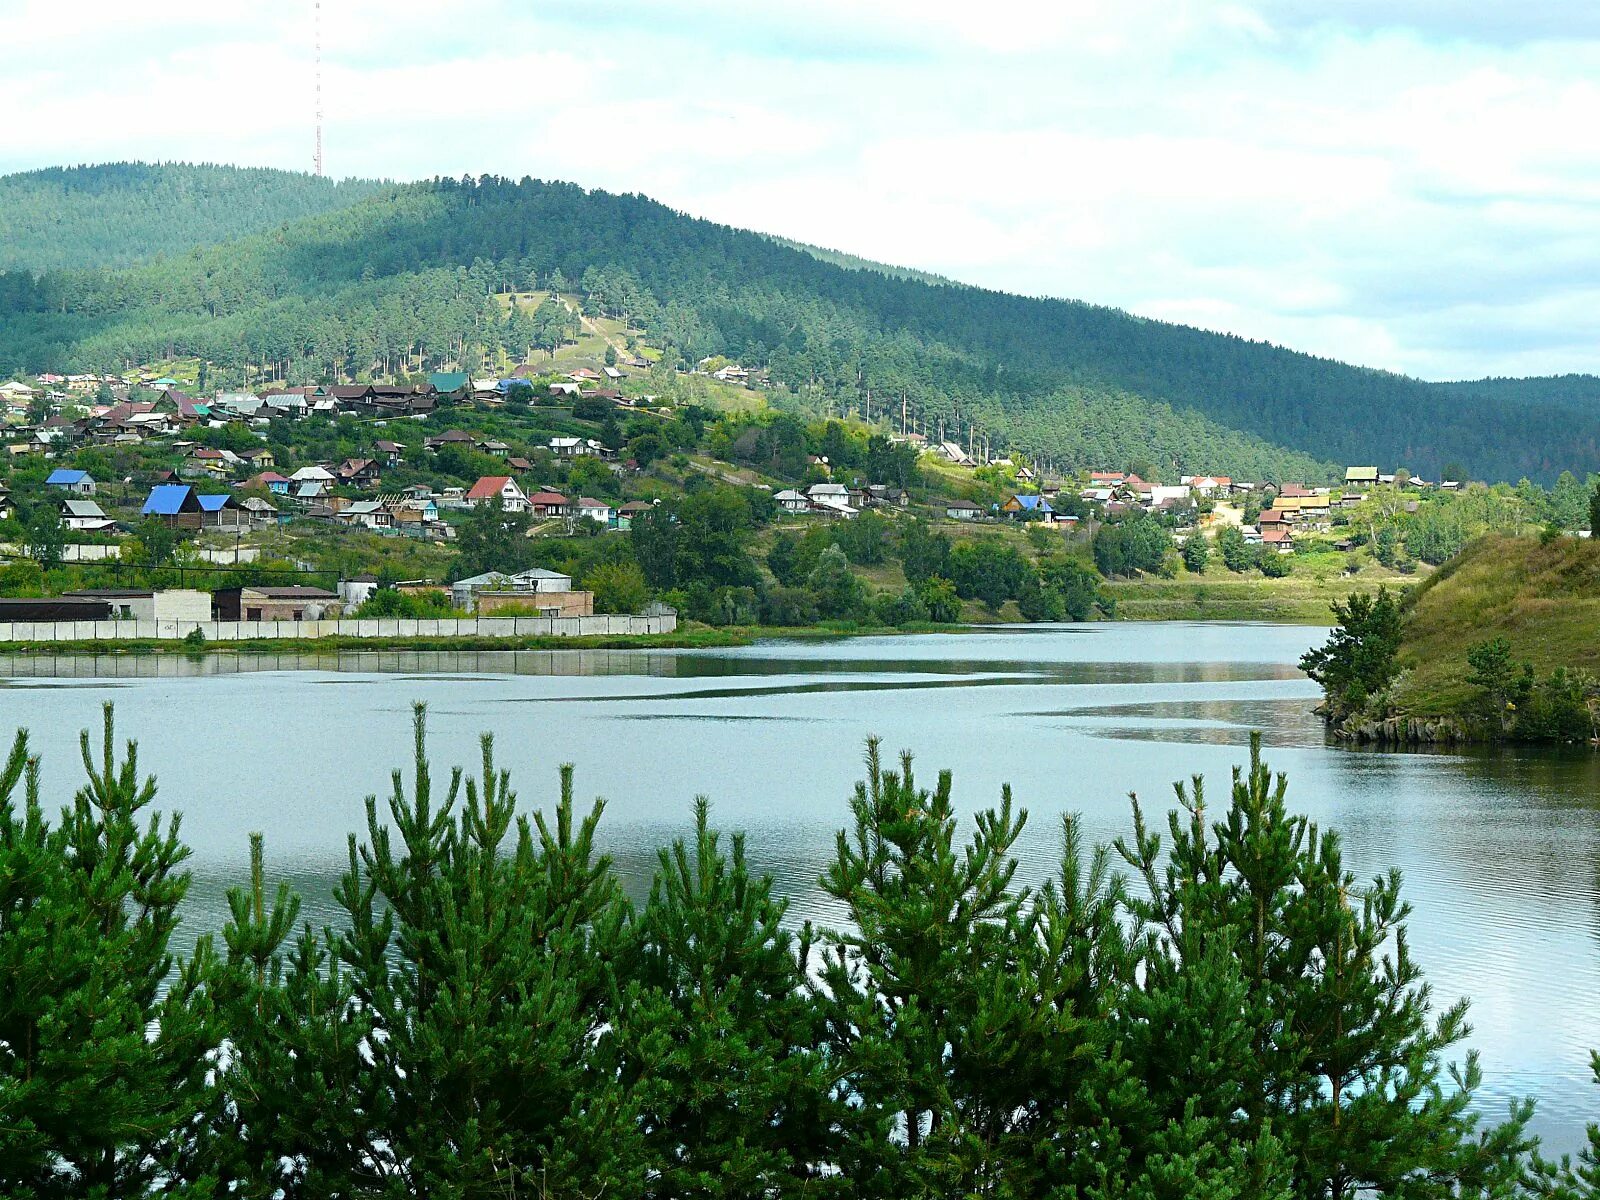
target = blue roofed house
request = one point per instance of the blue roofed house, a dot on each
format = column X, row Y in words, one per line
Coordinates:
column 79, row 483
column 1028, row 508
column 174, row 503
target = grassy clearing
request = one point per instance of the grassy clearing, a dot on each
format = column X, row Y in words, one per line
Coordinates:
column 1304, row 598
column 1544, row 600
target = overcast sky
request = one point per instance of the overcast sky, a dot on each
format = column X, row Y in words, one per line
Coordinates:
column 1409, row 184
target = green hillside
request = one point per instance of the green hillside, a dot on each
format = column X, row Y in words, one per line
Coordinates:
column 406, row 276
column 116, row 214
column 1544, row 599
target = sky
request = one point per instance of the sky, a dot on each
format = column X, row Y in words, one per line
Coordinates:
column 1406, row 184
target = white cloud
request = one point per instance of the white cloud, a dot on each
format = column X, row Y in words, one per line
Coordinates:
column 1408, row 184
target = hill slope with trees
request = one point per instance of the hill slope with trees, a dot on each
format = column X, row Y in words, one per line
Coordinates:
column 410, row 271
column 116, row 214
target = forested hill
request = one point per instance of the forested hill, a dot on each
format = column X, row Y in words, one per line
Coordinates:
column 115, row 214
column 409, row 270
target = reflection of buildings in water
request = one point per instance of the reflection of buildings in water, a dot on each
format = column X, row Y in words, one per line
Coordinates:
column 366, row 662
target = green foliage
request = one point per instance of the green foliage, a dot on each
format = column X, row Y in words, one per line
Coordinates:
column 1136, row 543
column 492, row 1016
column 491, row 539
column 839, row 593
column 1196, row 553
column 1237, row 554
column 115, row 214
column 989, row 570
column 388, row 602
column 1275, row 565
column 1334, row 1051
column 107, row 1037
column 924, row 551
column 618, row 587
column 939, row 597
column 1359, row 659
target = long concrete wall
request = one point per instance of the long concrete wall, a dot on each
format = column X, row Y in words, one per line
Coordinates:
column 239, row 631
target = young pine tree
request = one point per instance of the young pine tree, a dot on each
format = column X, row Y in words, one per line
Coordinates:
column 105, row 1040
column 1343, row 1058
column 718, row 1039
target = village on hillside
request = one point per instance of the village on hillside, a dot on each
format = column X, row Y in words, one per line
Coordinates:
column 562, row 450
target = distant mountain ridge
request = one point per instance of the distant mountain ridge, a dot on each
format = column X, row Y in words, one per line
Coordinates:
column 405, row 272
column 116, row 214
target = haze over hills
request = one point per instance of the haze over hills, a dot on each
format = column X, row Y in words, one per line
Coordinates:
column 307, row 280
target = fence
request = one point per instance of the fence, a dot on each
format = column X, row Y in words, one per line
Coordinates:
column 239, row 631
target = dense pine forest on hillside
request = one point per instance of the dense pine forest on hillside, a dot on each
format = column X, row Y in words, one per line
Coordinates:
column 116, row 214
column 408, row 276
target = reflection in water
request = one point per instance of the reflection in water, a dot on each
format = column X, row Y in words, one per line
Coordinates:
column 1499, row 849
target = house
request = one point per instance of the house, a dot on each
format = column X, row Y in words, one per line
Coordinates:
column 883, row 493
column 213, row 462
column 311, row 491
column 548, row 504
column 574, row 447
column 1294, row 491
column 962, row 510
column 832, row 498
column 594, row 510
column 358, row 472
column 286, row 404
column 512, row 498
column 954, row 453
column 389, row 453
column 1027, row 508
column 1166, row 496
column 517, row 463
column 450, row 437
column 85, row 515
column 175, row 504
column 548, row 591
column 790, row 501
column 448, row 383
column 369, row 514
column 612, row 373
column 1361, row 476
column 269, row 481
column 182, row 406
column 221, row 512
column 1280, row 540
column 494, row 449
column 632, row 509
column 274, row 604
column 79, row 483
column 259, row 459
column 312, row 475
column 258, row 510
column 1208, row 485
column 146, row 604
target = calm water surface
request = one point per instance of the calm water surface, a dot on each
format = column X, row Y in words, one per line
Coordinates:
column 1500, row 851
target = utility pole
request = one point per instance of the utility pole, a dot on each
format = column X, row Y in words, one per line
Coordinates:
column 318, row 38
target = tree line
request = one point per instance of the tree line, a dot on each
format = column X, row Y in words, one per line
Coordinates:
column 1211, row 1006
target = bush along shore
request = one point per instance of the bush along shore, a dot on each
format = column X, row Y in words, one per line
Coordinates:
column 1500, row 646
column 1211, row 1006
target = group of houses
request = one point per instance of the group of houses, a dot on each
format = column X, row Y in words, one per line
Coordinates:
column 841, row 499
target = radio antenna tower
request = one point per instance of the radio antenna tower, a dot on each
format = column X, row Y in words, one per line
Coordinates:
column 317, row 160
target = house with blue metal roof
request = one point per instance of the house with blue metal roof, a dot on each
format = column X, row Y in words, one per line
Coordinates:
column 79, row 483
column 1028, row 508
column 174, row 503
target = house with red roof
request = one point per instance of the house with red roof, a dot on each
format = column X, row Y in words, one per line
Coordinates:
column 502, row 487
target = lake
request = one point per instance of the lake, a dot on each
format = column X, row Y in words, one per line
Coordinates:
column 1500, row 849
